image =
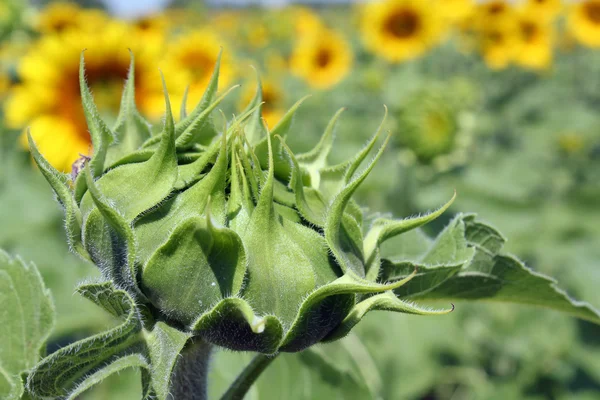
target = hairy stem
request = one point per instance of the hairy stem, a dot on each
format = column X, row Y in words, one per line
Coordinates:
column 190, row 377
column 249, row 375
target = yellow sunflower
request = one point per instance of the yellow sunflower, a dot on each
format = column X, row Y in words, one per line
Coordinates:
column 152, row 27
column 275, row 63
column 4, row 84
column 535, row 42
column 48, row 99
column 322, row 59
column 398, row 30
column 494, row 14
column 305, row 21
column 497, row 32
column 60, row 17
column 273, row 101
column 546, row 10
column 455, row 11
column 499, row 45
column 189, row 62
column 227, row 22
column 584, row 22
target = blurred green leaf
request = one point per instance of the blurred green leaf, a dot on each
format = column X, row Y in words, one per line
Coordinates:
column 26, row 319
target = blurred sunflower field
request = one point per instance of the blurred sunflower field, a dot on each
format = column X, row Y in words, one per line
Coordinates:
column 498, row 100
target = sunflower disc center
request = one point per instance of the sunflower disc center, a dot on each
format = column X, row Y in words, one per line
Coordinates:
column 592, row 10
column 402, row 24
column 323, row 58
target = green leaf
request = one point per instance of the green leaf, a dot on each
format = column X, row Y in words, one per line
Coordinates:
column 165, row 344
column 11, row 386
column 497, row 277
column 116, row 366
column 60, row 372
column 26, row 319
column 446, row 256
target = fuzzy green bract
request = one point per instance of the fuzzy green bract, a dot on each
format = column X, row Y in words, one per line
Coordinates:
column 226, row 236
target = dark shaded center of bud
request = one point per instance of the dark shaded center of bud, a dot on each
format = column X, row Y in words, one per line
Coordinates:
column 402, row 23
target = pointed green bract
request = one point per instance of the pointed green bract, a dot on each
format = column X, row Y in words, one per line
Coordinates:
column 273, row 282
column 60, row 372
column 200, row 130
column 114, row 367
column 385, row 302
column 207, row 99
column 316, row 159
column 255, row 130
column 384, row 229
column 336, row 228
column 281, row 165
column 101, row 135
column 60, row 185
column 233, row 324
column 110, row 224
column 131, row 130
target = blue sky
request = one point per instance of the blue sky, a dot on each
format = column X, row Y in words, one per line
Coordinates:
column 134, row 8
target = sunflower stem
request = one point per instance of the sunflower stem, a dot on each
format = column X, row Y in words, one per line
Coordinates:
column 249, row 375
column 190, row 377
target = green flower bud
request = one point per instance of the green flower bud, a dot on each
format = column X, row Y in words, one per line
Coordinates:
column 435, row 124
column 227, row 234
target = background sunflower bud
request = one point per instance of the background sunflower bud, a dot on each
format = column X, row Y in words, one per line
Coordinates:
column 435, row 124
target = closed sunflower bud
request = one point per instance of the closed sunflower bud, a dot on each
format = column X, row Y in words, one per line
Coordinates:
column 435, row 125
column 225, row 233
